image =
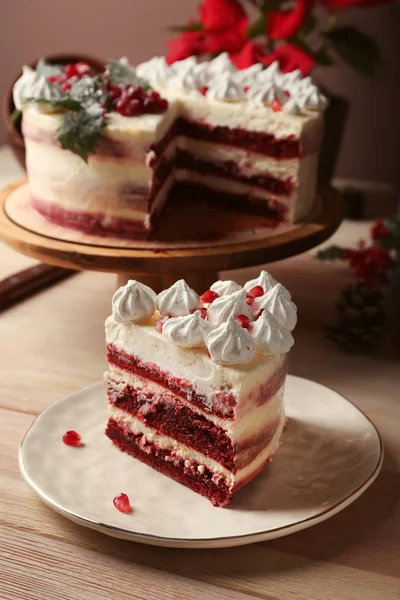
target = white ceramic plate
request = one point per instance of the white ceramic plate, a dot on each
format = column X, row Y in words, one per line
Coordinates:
column 330, row 454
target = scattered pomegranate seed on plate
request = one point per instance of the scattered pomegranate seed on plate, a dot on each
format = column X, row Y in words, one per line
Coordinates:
column 72, row 438
column 243, row 321
column 256, row 291
column 122, row 503
column 209, row 296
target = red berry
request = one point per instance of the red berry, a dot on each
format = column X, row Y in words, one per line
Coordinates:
column 276, row 105
column 203, row 312
column 114, row 91
column 209, row 296
column 259, row 313
column 72, row 438
column 134, row 108
column 249, row 299
column 203, row 90
column 70, row 71
column 154, row 95
column 246, row 89
column 287, row 93
column 243, row 321
column 163, row 104
column 121, row 503
column 256, row 291
column 160, row 323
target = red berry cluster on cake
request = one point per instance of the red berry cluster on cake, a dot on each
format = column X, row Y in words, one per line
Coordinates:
column 106, row 150
column 195, row 384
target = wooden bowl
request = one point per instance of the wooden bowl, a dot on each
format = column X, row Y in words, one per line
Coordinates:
column 14, row 134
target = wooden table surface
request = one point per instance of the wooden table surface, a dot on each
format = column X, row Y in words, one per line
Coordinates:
column 52, row 345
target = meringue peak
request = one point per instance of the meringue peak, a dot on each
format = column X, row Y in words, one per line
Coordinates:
column 270, row 336
column 229, row 306
column 178, row 301
column 133, row 302
column 230, row 344
column 188, row 331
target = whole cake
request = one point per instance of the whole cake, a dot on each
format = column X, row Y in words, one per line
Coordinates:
column 105, row 151
column 195, row 384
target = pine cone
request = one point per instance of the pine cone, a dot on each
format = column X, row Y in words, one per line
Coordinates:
column 360, row 318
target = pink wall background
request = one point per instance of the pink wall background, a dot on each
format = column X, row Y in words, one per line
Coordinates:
column 136, row 28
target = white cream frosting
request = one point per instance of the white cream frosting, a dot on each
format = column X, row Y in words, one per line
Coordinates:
column 267, row 282
column 133, row 302
column 178, row 301
column 270, row 336
column 225, row 288
column 230, row 344
column 277, row 302
column 226, row 307
column 246, row 77
column 33, row 84
column 224, row 88
column 189, row 331
column 265, row 94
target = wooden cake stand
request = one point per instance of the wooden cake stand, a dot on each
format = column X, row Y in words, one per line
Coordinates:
column 193, row 240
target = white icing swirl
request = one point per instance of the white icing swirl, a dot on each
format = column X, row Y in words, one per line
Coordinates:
column 133, row 302
column 225, row 288
column 265, row 94
column 230, row 344
column 247, row 76
column 155, row 69
column 277, row 302
column 270, row 336
column 221, row 64
column 225, row 89
column 189, row 331
column 287, row 80
column 267, row 282
column 270, row 74
column 229, row 306
column 291, row 107
column 312, row 99
column 178, row 300
column 33, row 85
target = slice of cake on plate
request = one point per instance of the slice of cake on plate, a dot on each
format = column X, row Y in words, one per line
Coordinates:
column 104, row 152
column 195, row 384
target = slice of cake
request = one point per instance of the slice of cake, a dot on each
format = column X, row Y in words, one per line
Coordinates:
column 104, row 152
column 195, row 384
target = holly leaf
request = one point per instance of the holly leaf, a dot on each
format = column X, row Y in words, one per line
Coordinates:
column 259, row 27
column 66, row 102
column 331, row 253
column 15, row 116
column 120, row 72
column 192, row 26
column 89, row 90
column 357, row 49
column 80, row 131
column 309, row 23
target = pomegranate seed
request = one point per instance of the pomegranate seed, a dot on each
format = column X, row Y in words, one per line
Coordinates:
column 276, row 105
column 70, row 71
column 209, row 296
column 243, row 321
column 256, row 291
column 249, row 299
column 203, row 312
column 246, row 88
column 114, row 91
column 121, row 503
column 72, row 438
column 259, row 313
column 160, row 323
column 287, row 93
column 203, row 90
column 163, row 104
column 154, row 95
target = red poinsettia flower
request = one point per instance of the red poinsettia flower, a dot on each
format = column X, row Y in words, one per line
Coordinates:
column 290, row 58
column 220, row 15
column 337, row 5
column 284, row 25
column 379, row 230
column 250, row 54
column 369, row 264
column 190, row 43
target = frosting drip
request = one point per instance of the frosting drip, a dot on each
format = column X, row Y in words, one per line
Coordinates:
column 270, row 336
column 178, row 301
column 189, row 331
column 230, row 344
column 133, row 302
column 277, row 302
column 229, row 306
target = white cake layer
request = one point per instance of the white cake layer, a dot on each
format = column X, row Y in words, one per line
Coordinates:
column 251, row 422
column 193, row 364
column 138, row 427
column 242, row 115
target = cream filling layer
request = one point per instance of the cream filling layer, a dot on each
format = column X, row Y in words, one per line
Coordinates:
column 137, row 427
column 191, row 364
column 251, row 420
